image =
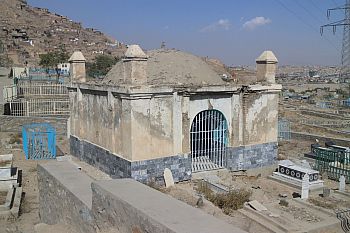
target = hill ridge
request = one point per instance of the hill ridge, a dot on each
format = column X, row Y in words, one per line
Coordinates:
column 27, row 31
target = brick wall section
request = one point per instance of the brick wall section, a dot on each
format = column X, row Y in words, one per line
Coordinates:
column 252, row 156
column 15, row 123
column 117, row 167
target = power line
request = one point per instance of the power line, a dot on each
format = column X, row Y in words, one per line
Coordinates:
column 311, row 14
column 307, row 24
column 317, row 7
column 345, row 23
column 308, row 11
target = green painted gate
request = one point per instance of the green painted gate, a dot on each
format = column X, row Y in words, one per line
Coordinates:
column 334, row 160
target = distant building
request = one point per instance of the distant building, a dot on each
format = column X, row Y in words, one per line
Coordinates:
column 18, row 72
column 64, row 68
column 347, row 102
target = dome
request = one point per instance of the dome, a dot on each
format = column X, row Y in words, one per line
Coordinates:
column 171, row 67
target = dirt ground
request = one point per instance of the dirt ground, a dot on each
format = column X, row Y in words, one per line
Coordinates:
column 29, row 220
column 263, row 189
column 292, row 111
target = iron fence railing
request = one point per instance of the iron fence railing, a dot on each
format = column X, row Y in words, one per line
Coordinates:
column 38, row 107
column 25, row 90
column 334, row 160
column 284, row 132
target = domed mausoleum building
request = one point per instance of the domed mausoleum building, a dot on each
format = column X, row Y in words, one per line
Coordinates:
column 170, row 109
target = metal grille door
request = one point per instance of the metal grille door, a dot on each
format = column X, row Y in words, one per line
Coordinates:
column 284, row 132
column 208, row 141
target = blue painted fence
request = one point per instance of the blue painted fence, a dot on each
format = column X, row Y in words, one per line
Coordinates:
column 39, row 141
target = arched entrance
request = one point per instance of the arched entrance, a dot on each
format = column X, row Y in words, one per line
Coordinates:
column 209, row 140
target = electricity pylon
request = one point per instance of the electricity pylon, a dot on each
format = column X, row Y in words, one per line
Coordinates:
column 345, row 23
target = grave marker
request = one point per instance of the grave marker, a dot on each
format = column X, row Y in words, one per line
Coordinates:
column 342, row 183
column 168, row 178
column 305, row 187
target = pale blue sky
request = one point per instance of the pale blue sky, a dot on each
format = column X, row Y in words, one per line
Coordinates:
column 235, row 31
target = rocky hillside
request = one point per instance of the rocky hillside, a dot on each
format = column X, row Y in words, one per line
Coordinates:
column 26, row 32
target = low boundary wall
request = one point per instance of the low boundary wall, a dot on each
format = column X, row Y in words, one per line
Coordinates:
column 313, row 137
column 15, row 123
column 69, row 196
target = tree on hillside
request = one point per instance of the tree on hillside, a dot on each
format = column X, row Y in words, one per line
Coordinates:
column 52, row 59
column 101, row 65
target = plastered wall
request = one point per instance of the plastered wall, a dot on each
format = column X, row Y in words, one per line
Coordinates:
column 143, row 127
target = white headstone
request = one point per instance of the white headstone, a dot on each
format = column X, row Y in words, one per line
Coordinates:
column 342, row 183
column 305, row 187
column 168, row 178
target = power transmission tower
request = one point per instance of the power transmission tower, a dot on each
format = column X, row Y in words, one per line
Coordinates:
column 345, row 23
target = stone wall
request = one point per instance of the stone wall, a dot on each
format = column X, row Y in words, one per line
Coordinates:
column 117, row 167
column 100, row 158
column 238, row 158
column 252, row 156
column 323, row 114
column 122, row 203
column 15, row 123
column 67, row 195
column 147, row 170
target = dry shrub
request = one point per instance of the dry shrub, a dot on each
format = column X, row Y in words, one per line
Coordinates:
column 228, row 202
column 281, row 157
column 202, row 187
column 15, row 138
column 232, row 200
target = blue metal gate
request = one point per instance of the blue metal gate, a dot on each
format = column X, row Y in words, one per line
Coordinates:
column 39, row 141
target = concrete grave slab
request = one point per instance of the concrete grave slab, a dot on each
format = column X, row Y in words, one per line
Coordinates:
column 5, row 166
column 291, row 174
column 257, row 205
column 299, row 216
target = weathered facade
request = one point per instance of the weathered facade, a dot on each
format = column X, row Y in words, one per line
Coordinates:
column 141, row 118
